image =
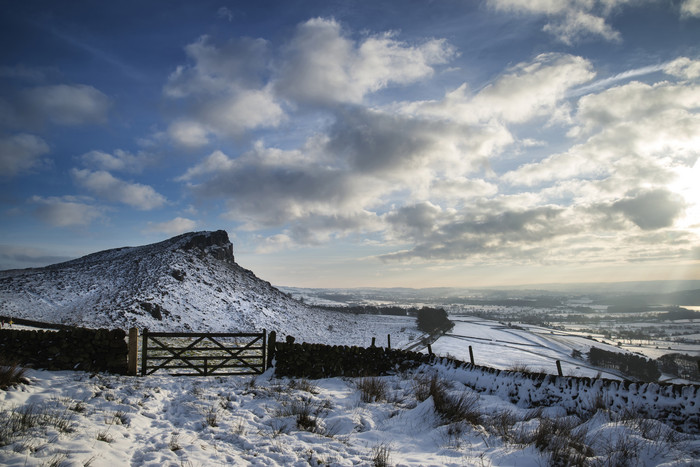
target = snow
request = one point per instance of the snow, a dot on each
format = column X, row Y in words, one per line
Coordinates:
column 503, row 347
column 163, row 420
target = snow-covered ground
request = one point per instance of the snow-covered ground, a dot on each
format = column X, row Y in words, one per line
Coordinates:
column 532, row 347
column 105, row 420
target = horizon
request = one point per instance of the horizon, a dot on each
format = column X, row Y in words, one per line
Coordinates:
column 485, row 144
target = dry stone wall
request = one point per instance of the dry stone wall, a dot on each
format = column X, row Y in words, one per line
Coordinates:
column 66, row 349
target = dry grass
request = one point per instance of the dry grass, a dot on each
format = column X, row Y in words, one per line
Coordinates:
column 372, row 389
column 11, row 374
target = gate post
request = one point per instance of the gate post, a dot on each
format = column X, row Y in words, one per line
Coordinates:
column 271, row 347
column 133, row 352
column 144, row 352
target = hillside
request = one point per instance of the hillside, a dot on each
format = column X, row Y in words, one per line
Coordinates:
column 187, row 283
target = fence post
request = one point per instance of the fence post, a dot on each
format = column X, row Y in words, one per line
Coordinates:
column 430, row 350
column 471, row 355
column 559, row 368
column 388, row 341
column 144, row 351
column 132, row 365
column 372, row 342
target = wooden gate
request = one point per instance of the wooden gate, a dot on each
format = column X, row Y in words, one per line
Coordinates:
column 203, row 354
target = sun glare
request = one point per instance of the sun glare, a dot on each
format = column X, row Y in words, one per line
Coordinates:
column 687, row 185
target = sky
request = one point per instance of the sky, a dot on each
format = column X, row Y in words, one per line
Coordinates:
column 359, row 143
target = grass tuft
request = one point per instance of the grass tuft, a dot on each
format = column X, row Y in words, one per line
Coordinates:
column 381, row 455
column 11, row 374
column 372, row 389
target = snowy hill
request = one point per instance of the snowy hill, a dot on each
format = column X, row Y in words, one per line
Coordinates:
column 187, row 283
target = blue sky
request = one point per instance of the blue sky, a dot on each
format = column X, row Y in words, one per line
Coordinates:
column 342, row 144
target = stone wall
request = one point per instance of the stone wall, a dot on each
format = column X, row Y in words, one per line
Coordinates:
column 66, row 349
column 678, row 404
column 326, row 361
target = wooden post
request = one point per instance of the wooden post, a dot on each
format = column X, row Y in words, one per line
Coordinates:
column 264, row 349
column 271, row 347
column 132, row 363
column 471, row 355
column 373, row 342
column 559, row 368
column 144, row 351
column 388, row 341
column 430, row 350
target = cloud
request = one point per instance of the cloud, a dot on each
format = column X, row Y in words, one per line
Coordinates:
column 270, row 187
column 189, row 133
column 570, row 21
column 470, row 233
column 65, row 211
column 225, row 88
column 65, row 104
column 690, row 8
column 402, row 147
column 21, row 152
column 119, row 161
column 683, row 67
column 172, row 227
column 528, row 90
column 104, row 185
column 322, row 65
column 651, row 210
column 637, row 134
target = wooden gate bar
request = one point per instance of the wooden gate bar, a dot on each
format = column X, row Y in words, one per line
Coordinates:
column 213, row 357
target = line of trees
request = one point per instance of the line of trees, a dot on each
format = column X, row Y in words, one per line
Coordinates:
column 633, row 365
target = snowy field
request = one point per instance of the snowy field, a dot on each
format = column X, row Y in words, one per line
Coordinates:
column 104, row 420
column 531, row 347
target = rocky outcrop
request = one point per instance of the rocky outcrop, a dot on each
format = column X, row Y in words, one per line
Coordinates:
column 216, row 244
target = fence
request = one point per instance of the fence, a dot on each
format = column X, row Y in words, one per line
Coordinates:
column 203, row 354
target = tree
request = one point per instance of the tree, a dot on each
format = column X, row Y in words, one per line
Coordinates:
column 431, row 320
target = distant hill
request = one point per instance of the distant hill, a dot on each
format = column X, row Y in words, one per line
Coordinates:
column 189, row 282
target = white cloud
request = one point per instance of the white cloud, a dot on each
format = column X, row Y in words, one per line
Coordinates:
column 21, row 152
column 65, row 211
column 683, row 67
column 217, row 161
column 570, row 20
column 121, row 161
column 68, row 104
column 172, row 227
column 225, row 88
column 323, row 65
column 690, row 8
column 104, row 185
column 189, row 133
column 528, row 90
